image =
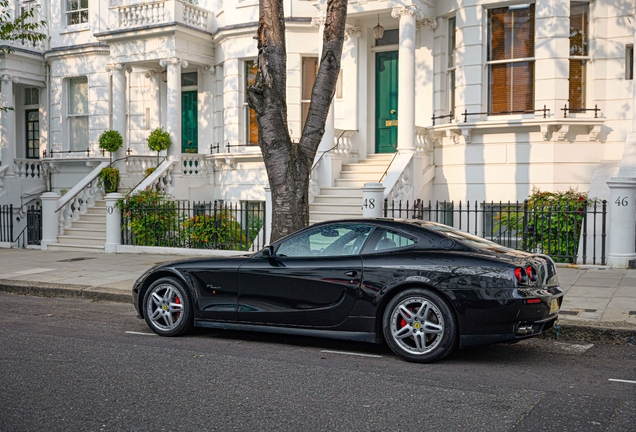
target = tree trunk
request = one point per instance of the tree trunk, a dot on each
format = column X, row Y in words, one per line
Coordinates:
column 288, row 164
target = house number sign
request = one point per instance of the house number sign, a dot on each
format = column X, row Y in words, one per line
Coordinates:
column 621, row 201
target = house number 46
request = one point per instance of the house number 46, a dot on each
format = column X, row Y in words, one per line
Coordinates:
column 621, row 201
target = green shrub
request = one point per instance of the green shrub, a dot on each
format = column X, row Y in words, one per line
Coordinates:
column 549, row 222
column 110, row 141
column 159, row 140
column 152, row 217
column 222, row 232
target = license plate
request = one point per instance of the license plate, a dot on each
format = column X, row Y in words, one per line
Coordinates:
column 554, row 306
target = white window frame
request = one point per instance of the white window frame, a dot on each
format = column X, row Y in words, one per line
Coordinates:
column 451, row 67
column 490, row 63
column 246, row 107
column 70, row 115
column 307, row 102
column 69, row 12
column 585, row 58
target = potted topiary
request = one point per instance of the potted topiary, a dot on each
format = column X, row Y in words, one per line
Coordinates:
column 159, row 140
column 110, row 141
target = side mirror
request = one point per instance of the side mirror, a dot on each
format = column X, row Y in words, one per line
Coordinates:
column 268, row 251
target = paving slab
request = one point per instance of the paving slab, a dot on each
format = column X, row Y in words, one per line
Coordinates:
column 597, row 282
column 591, row 292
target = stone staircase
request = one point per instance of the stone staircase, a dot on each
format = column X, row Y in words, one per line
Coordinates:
column 87, row 234
column 344, row 200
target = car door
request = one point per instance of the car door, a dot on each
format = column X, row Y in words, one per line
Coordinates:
column 312, row 279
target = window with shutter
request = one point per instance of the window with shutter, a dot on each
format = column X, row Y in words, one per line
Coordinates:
column 579, row 12
column 511, row 59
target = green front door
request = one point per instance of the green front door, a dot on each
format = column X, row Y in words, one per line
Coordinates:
column 189, row 124
column 386, row 98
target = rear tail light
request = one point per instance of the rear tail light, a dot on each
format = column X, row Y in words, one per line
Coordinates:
column 533, row 300
column 521, row 275
column 532, row 273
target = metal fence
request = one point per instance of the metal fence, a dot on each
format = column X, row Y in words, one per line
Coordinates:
column 569, row 232
column 197, row 225
column 31, row 234
column 6, row 223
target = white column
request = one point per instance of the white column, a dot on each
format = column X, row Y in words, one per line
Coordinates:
column 406, row 76
column 622, row 208
column 155, row 98
column 49, row 219
column 113, row 223
column 268, row 214
column 173, row 67
column 118, row 71
column 206, row 113
column 7, row 124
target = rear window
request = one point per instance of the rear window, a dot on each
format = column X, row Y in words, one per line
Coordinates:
column 463, row 237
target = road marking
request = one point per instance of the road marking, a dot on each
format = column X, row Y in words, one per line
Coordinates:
column 140, row 333
column 573, row 348
column 624, row 381
column 351, row 353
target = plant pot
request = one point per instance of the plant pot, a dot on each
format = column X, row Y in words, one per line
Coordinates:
column 109, row 187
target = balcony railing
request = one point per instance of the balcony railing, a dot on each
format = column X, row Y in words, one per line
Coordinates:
column 128, row 16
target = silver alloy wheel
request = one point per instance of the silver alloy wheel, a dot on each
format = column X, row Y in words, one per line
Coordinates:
column 164, row 307
column 417, row 325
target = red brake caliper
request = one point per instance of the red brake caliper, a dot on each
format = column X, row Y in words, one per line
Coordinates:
column 177, row 301
column 402, row 321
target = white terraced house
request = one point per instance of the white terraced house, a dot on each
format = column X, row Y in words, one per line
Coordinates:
column 476, row 100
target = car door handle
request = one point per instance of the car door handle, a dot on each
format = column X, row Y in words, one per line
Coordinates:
column 351, row 274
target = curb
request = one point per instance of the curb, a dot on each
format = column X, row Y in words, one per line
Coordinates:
column 45, row 289
column 613, row 333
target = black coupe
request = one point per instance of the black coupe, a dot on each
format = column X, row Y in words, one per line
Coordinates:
column 423, row 287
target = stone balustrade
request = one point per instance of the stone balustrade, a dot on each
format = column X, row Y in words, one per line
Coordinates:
column 29, row 168
column 158, row 12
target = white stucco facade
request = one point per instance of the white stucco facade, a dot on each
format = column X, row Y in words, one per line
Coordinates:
column 134, row 55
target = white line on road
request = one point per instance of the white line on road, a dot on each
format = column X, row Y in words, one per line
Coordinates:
column 352, row 354
column 139, row 333
column 624, row 381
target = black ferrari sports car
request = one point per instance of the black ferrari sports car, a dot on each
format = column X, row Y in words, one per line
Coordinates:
column 423, row 287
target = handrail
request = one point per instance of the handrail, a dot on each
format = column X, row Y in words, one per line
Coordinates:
column 392, row 159
column 146, row 176
column 332, row 148
column 147, row 181
column 83, row 183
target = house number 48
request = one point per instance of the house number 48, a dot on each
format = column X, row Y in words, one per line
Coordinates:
column 621, row 201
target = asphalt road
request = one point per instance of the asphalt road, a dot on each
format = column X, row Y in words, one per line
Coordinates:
column 76, row 365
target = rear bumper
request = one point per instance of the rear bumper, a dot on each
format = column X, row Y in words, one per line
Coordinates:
column 469, row 341
column 503, row 315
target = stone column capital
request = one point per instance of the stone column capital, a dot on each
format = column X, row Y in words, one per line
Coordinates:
column 7, row 78
column 112, row 67
column 318, row 21
column 352, row 32
column 411, row 10
column 427, row 22
column 174, row 61
column 150, row 73
column 211, row 69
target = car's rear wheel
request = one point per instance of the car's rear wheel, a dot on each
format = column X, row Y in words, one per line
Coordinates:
column 419, row 326
column 168, row 308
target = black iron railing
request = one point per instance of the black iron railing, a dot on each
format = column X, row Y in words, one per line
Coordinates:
column 6, row 223
column 545, row 112
column 565, row 110
column 197, row 225
column 31, row 234
column 567, row 232
column 448, row 116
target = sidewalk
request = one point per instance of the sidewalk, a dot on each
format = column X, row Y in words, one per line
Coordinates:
column 600, row 303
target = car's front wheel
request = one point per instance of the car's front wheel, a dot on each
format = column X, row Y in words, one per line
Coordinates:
column 419, row 326
column 168, row 308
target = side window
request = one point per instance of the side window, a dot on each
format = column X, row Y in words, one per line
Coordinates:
column 328, row 240
column 392, row 240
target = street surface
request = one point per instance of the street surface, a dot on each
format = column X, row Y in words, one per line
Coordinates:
column 72, row 365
